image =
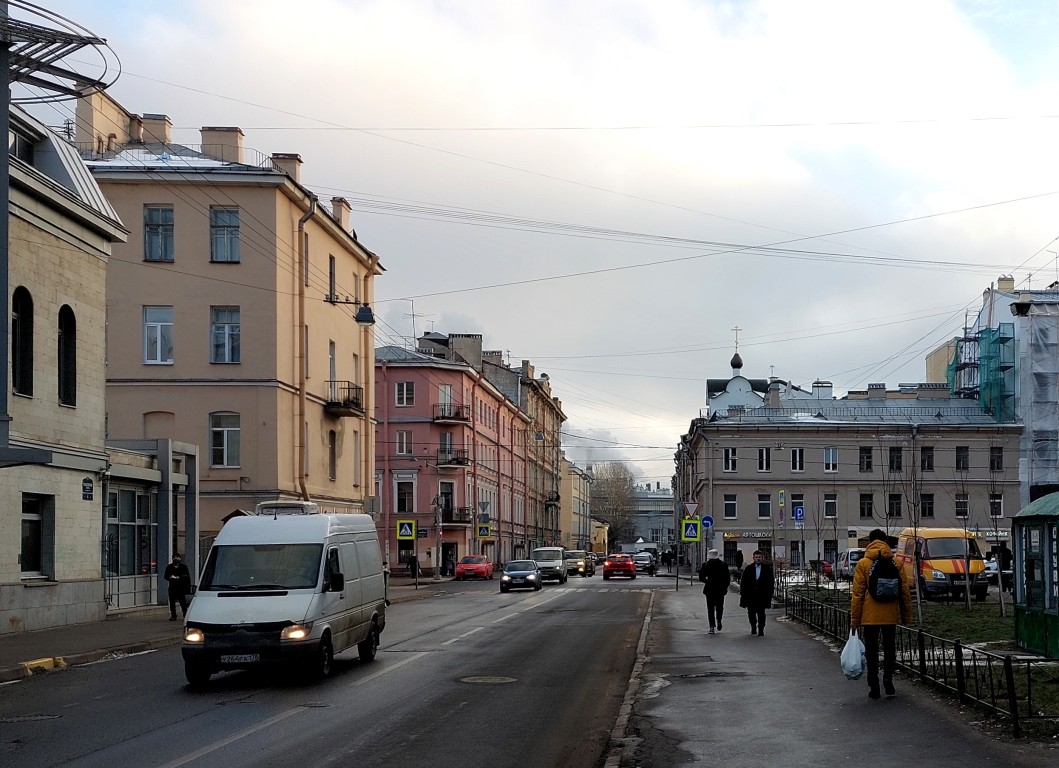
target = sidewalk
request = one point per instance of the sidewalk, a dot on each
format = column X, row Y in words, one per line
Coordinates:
column 130, row 631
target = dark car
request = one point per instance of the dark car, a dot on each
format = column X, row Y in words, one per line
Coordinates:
column 521, row 574
column 619, row 565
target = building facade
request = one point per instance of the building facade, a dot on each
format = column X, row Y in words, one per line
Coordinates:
column 805, row 477
column 576, row 522
column 227, row 246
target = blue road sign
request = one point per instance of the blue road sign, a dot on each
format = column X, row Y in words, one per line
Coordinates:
column 799, row 514
column 707, row 521
column 690, row 530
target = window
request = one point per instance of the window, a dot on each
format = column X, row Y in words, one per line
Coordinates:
column 332, row 277
column 764, row 459
column 797, row 500
column 404, row 498
column 224, row 234
column 31, row 556
column 22, row 342
column 867, row 506
column 926, row 506
column 996, row 459
column 224, row 439
column 406, row 393
column 20, row 145
column 764, row 505
column 731, row 511
column 926, row 459
column 896, row 463
column 224, row 334
column 157, row 335
column 132, row 534
column 962, row 506
column 864, row 458
column 332, row 455
column 963, row 458
column 404, row 442
column 67, row 356
column 729, row 460
column 831, row 459
column 830, row 505
column 797, row 459
column 158, row 233
column 893, row 505
column 996, row 505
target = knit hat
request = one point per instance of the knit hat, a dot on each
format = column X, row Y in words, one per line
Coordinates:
column 713, row 554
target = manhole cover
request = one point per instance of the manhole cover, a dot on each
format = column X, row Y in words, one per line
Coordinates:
column 487, row 680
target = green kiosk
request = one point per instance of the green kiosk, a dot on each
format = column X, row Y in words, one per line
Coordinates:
column 1035, row 531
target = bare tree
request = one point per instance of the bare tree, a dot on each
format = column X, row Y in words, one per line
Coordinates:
column 613, row 499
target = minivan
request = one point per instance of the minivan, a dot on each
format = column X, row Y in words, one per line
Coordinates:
column 950, row 561
column 847, row 561
column 286, row 586
column 552, row 562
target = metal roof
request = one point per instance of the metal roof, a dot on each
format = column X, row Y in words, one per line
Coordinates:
column 1045, row 506
column 871, row 411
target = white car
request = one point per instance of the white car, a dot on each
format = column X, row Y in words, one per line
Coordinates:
column 847, row 562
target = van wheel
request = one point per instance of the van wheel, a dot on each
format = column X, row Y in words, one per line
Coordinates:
column 325, row 659
column 197, row 674
column 370, row 644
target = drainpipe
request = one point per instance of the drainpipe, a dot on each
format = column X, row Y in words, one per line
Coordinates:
column 299, row 439
column 387, row 480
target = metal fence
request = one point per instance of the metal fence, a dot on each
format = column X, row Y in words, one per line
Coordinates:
column 1018, row 687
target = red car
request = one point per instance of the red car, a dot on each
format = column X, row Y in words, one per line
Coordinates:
column 474, row 566
column 619, row 565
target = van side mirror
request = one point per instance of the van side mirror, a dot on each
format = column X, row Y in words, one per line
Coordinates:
column 338, row 582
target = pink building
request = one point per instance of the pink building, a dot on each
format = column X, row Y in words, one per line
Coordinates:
column 450, row 457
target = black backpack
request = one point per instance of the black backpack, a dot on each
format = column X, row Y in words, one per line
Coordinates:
column 884, row 580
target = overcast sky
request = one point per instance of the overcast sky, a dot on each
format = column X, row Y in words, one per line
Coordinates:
column 607, row 189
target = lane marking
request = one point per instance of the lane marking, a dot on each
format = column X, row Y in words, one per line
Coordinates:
column 229, row 739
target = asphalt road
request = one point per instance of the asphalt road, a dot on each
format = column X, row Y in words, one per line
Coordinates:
column 469, row 678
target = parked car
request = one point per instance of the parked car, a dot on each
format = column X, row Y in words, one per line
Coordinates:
column 619, row 565
column 822, row 567
column 580, row 563
column 645, row 562
column 521, row 574
column 992, row 569
column 474, row 567
column 847, row 561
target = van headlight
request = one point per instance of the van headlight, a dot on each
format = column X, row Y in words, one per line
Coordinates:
column 296, row 632
column 939, row 576
column 194, row 635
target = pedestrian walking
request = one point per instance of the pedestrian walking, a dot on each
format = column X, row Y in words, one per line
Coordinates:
column 755, row 592
column 715, row 578
column 875, row 614
column 178, row 577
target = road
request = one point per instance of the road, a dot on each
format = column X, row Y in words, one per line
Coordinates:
column 469, row 678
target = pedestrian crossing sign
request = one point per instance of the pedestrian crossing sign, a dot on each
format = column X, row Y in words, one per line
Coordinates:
column 690, row 529
column 485, row 531
column 406, row 530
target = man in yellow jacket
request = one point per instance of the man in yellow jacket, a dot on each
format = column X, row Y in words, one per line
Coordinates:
column 878, row 618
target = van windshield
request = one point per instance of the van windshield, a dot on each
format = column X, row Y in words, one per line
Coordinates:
column 951, row 547
column 550, row 553
column 262, row 566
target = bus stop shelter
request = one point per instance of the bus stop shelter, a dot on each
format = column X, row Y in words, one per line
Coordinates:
column 1035, row 531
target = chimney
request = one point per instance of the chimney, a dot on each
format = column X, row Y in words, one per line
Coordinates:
column 136, row 129
column 877, row 391
column 773, row 398
column 340, row 209
column 822, row 390
column 157, row 128
column 1005, row 284
column 224, row 144
column 290, row 163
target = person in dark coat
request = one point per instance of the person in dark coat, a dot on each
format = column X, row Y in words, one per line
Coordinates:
column 715, row 579
column 178, row 577
column 755, row 592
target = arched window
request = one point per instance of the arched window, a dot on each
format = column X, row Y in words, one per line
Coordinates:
column 67, row 356
column 22, row 342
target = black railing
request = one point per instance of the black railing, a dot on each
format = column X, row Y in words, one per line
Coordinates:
column 461, row 515
column 451, row 412
column 344, row 398
column 453, row 457
column 1019, row 687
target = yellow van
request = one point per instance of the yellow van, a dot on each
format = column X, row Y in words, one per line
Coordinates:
column 950, row 561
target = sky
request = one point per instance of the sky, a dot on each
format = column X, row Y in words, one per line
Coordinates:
column 608, row 189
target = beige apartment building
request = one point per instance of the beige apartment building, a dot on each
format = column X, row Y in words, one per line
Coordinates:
column 803, row 475
column 238, row 314
column 576, row 522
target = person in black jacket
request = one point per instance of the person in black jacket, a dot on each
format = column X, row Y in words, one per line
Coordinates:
column 715, row 579
column 178, row 577
column 755, row 592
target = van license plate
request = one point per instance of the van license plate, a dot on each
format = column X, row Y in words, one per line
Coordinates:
column 241, row 658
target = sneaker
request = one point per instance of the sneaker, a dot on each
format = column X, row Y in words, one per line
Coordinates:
column 711, row 631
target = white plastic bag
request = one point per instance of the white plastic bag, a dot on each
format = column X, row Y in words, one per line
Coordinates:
column 853, row 659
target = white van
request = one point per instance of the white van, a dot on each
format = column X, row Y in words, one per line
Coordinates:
column 283, row 587
column 552, row 563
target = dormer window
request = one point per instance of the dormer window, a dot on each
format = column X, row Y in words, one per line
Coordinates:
column 20, row 145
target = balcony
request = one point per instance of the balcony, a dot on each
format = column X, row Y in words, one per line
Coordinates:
column 458, row 516
column 453, row 458
column 452, row 413
column 552, row 500
column 344, row 398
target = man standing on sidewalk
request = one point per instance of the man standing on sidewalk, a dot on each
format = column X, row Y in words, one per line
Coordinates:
column 178, row 577
column 755, row 592
column 715, row 579
column 878, row 616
